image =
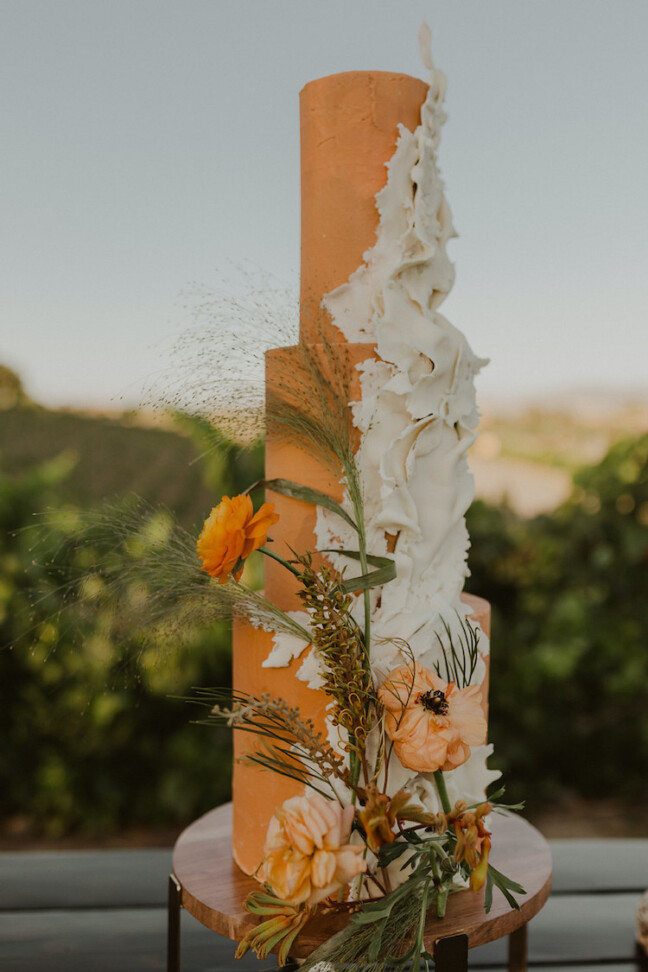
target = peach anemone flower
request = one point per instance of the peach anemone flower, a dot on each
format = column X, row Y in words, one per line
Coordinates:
column 231, row 532
column 307, row 851
column 431, row 723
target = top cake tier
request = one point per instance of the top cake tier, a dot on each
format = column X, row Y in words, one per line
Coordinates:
column 349, row 130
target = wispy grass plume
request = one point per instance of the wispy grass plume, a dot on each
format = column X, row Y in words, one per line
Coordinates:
column 217, row 364
column 142, row 564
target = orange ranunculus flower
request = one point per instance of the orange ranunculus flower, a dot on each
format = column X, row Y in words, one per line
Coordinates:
column 231, row 532
column 431, row 723
column 307, row 851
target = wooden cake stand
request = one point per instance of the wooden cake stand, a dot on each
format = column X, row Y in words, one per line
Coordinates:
column 211, row 887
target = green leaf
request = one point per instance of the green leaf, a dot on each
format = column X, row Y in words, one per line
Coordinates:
column 385, row 573
column 504, row 809
column 390, row 852
column 488, row 897
column 375, row 947
column 505, row 885
column 381, row 909
column 374, row 578
column 304, row 493
column 366, row 917
column 355, row 555
column 509, row 897
column 494, row 796
column 501, row 880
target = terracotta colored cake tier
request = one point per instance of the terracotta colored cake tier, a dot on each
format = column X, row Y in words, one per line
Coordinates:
column 286, row 369
column 349, row 129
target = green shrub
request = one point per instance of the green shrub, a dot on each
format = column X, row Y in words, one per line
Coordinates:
column 94, row 740
column 570, row 616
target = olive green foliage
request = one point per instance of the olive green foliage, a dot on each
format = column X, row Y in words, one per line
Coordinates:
column 569, row 685
column 93, row 738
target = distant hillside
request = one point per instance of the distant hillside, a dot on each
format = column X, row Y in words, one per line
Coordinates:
column 575, row 431
column 111, row 458
column 527, row 456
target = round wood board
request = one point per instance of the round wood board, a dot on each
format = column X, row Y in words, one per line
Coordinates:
column 214, row 888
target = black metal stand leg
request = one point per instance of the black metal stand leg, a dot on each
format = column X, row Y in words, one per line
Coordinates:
column 517, row 950
column 641, row 958
column 451, row 954
column 173, row 924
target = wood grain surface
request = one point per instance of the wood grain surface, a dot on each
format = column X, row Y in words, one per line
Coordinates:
column 214, row 888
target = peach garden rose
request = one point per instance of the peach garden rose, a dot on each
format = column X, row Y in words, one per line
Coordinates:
column 431, row 723
column 230, row 533
column 307, row 851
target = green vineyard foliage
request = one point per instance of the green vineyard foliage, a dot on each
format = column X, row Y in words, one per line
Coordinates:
column 96, row 736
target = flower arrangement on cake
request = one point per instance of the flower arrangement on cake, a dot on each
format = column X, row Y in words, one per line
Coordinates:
column 346, row 844
column 351, row 842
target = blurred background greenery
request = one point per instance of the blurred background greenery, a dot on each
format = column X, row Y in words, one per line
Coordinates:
column 96, row 741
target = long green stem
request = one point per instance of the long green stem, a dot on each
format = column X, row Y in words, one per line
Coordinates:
column 367, row 597
column 422, row 918
column 280, row 560
column 354, row 764
column 354, row 767
column 441, row 903
column 441, row 790
column 362, row 550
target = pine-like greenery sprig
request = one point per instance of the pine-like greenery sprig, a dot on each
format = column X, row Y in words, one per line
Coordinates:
column 460, row 656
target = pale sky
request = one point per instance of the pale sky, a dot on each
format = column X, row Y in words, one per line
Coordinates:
column 151, row 144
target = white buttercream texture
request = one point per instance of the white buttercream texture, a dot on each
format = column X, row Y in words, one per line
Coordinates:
column 286, row 646
column 417, row 417
column 417, row 413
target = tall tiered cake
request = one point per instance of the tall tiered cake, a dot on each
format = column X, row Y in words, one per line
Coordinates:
column 374, row 271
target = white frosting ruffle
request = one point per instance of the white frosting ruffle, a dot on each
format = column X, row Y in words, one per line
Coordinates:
column 417, row 417
column 417, row 414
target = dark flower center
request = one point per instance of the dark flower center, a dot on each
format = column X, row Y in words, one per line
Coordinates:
column 434, row 701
